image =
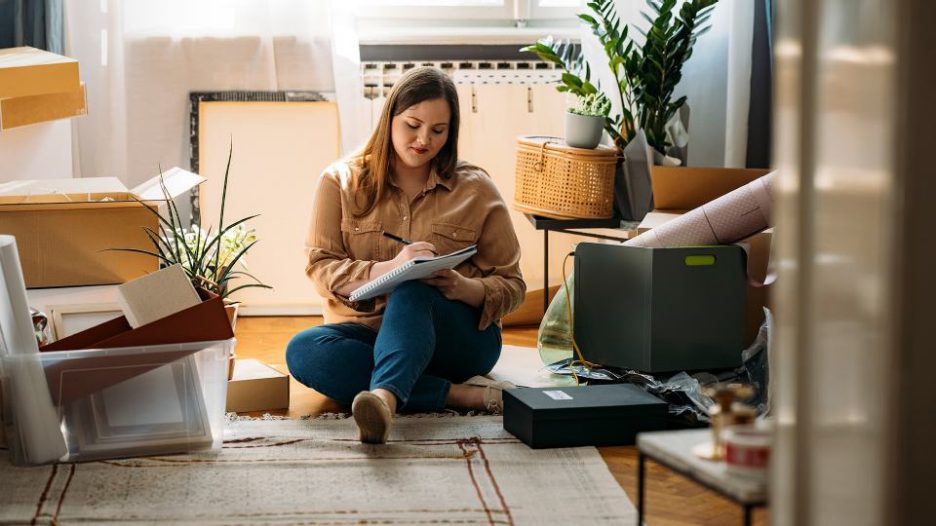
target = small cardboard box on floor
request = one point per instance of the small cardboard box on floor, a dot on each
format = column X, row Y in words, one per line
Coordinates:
column 66, row 229
column 678, row 189
column 257, row 387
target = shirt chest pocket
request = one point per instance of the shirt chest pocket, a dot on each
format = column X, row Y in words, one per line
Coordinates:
column 448, row 238
column 362, row 239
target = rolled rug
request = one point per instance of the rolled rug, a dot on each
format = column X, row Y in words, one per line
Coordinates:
column 38, row 432
column 732, row 217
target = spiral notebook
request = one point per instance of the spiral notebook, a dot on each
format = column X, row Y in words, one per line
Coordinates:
column 418, row 268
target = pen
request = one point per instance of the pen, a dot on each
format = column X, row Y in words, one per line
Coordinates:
column 397, row 238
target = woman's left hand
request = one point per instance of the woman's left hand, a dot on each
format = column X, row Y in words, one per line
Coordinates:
column 454, row 286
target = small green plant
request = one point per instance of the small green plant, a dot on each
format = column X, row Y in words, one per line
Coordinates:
column 211, row 260
column 592, row 105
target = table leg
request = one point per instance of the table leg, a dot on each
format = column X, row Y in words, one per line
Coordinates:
column 545, row 270
column 748, row 515
column 641, row 470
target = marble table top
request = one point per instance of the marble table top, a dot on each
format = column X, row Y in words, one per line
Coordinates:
column 674, row 450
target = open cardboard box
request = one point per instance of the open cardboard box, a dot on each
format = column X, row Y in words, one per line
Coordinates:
column 678, row 189
column 66, row 229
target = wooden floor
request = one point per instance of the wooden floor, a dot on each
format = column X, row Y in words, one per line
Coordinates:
column 671, row 499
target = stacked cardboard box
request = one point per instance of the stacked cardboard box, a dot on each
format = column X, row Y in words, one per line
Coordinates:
column 38, row 86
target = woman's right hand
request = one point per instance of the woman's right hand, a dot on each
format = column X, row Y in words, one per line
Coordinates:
column 415, row 250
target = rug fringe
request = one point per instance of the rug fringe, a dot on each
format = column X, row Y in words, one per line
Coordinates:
column 234, row 417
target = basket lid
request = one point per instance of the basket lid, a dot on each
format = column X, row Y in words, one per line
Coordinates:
column 558, row 144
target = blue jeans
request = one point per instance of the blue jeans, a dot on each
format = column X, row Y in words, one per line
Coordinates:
column 425, row 343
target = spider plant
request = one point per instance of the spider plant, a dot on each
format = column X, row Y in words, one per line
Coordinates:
column 211, row 261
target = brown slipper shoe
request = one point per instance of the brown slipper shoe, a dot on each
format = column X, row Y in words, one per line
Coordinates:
column 493, row 392
column 372, row 417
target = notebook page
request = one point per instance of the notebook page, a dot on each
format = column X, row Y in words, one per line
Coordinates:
column 414, row 269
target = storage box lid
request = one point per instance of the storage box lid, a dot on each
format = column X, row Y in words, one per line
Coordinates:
column 592, row 401
column 95, row 189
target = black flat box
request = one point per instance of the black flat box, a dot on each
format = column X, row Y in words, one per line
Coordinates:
column 594, row 415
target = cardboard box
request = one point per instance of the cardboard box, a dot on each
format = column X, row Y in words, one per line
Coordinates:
column 257, row 387
column 27, row 71
column 66, row 229
column 21, row 111
column 593, row 415
column 683, row 188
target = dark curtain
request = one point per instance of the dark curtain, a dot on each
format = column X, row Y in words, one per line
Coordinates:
column 36, row 23
column 760, row 119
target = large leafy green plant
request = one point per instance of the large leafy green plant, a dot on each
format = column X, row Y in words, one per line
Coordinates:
column 211, row 261
column 645, row 76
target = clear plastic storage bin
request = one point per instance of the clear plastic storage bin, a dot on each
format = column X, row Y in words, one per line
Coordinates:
column 110, row 403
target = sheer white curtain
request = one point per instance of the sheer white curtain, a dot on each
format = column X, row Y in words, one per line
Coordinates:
column 140, row 59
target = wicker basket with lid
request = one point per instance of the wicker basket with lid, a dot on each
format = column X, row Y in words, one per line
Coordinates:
column 558, row 181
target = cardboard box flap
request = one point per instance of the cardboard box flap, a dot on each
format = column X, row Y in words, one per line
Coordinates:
column 95, row 189
column 41, row 187
column 178, row 181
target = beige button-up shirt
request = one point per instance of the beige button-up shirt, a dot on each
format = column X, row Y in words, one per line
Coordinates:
column 451, row 214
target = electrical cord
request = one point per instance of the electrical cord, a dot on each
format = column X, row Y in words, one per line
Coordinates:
column 581, row 360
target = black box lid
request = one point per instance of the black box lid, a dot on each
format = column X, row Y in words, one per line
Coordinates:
column 560, row 403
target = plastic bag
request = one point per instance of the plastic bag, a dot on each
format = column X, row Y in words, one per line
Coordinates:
column 688, row 406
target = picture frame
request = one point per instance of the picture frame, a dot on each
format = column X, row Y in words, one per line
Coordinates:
column 160, row 411
column 299, row 130
column 71, row 319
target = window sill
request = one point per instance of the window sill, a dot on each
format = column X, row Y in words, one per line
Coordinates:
column 462, row 35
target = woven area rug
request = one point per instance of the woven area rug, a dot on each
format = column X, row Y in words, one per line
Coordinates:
column 434, row 470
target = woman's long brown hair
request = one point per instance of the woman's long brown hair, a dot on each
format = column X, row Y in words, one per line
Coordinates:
column 376, row 158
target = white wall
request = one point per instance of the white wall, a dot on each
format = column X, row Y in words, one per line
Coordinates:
column 37, row 151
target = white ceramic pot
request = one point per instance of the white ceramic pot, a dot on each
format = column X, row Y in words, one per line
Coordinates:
column 583, row 131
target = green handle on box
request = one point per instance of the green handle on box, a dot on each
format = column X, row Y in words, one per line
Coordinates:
column 700, row 261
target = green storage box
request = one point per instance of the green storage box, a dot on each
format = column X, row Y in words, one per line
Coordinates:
column 660, row 310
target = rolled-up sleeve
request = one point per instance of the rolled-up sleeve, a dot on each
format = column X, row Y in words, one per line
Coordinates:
column 329, row 265
column 498, row 259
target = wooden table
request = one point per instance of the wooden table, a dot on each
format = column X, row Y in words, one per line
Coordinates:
column 673, row 449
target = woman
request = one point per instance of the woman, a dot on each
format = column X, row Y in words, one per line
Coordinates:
column 413, row 349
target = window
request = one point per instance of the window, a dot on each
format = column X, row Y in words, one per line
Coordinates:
column 512, row 12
